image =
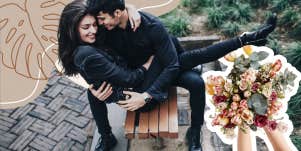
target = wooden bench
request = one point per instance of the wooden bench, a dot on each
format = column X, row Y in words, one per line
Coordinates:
column 161, row 122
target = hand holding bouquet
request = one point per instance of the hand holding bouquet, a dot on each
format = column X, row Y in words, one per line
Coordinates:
column 252, row 93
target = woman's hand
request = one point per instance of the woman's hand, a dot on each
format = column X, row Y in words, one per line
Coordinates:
column 134, row 16
column 147, row 64
column 103, row 92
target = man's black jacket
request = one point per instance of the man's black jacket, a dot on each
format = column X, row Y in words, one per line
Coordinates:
column 151, row 38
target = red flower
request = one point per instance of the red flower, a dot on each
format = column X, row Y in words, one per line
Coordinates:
column 261, row 121
column 255, row 86
column 273, row 96
column 218, row 99
column 272, row 125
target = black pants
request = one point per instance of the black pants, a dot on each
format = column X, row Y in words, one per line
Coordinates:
column 187, row 79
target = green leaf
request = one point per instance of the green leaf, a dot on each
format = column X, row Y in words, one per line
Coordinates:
column 258, row 103
column 255, row 65
column 258, row 56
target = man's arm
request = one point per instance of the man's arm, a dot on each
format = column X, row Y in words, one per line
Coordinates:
column 167, row 56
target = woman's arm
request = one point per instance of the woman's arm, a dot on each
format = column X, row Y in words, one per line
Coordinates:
column 134, row 16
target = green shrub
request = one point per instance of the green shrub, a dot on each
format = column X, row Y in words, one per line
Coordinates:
column 296, row 31
column 280, row 5
column 216, row 17
column 296, row 140
column 274, row 45
column 230, row 29
column 294, row 108
column 293, row 55
column 259, row 3
column 288, row 18
column 245, row 12
column 176, row 23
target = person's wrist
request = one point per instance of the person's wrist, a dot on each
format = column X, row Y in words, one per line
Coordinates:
column 147, row 97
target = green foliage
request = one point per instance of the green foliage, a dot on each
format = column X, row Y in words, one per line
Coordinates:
column 296, row 140
column 216, row 17
column 280, row 5
column 230, row 29
column 293, row 54
column 288, row 18
column 274, row 45
column 240, row 13
column 258, row 103
column 296, row 32
column 176, row 23
column 294, row 108
column 245, row 12
column 259, row 3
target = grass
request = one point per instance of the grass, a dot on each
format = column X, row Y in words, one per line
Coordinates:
column 177, row 23
column 230, row 29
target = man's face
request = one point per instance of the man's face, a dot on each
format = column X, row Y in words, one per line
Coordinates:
column 107, row 20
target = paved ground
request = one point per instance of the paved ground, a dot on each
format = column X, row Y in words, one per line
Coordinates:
column 59, row 119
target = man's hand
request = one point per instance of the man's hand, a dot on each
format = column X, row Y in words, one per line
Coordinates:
column 135, row 102
column 103, row 92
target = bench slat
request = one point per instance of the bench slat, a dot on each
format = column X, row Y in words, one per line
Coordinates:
column 163, row 119
column 173, row 113
column 143, row 125
column 129, row 127
column 153, row 122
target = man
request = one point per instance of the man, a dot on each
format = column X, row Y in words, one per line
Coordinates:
column 150, row 39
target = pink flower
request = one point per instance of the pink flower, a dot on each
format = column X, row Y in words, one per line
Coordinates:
column 219, row 80
column 236, row 98
column 218, row 90
column 228, row 85
column 234, row 105
column 222, row 105
column 247, row 94
column 261, row 120
column 243, row 104
column 272, row 125
column 236, row 120
column 243, row 85
column 247, row 115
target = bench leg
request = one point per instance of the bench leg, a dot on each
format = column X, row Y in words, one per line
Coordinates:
column 159, row 143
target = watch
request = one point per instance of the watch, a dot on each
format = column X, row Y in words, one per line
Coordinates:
column 147, row 98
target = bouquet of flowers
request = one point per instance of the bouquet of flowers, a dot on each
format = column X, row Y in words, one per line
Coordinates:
column 252, row 93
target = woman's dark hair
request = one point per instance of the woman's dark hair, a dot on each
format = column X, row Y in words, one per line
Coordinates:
column 68, row 34
column 106, row 6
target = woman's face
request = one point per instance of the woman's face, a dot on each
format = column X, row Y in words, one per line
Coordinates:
column 87, row 29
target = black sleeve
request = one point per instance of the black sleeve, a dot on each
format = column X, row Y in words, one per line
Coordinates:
column 99, row 68
column 167, row 56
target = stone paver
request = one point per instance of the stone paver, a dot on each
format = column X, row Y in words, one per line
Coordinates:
column 58, row 120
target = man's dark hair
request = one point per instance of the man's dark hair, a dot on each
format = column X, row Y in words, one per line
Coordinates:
column 106, row 6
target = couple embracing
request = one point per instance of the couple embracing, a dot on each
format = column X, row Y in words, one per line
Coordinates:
column 115, row 48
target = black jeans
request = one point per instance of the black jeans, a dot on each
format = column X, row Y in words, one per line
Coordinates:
column 187, row 78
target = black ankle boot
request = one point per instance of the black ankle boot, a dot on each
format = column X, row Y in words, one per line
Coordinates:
column 258, row 37
column 193, row 139
column 106, row 143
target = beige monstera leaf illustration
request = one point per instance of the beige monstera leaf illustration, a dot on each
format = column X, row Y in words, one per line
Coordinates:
column 28, row 50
